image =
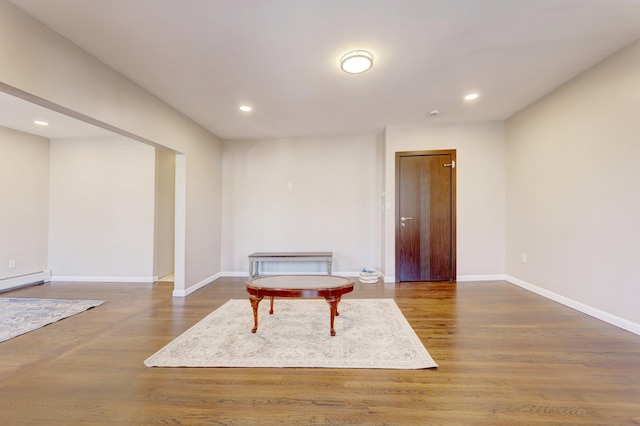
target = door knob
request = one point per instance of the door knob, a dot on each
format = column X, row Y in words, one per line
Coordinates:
column 405, row 218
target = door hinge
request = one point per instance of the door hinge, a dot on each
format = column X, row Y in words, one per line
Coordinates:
column 452, row 164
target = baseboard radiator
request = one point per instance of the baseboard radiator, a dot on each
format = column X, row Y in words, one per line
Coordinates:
column 25, row 280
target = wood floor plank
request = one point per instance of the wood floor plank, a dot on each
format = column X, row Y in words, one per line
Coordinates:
column 505, row 355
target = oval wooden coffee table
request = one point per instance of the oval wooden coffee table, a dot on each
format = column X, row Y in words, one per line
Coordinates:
column 330, row 287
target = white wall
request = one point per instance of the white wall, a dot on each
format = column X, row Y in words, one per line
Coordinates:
column 37, row 62
column 101, row 222
column 573, row 200
column 334, row 203
column 24, row 203
column 480, row 180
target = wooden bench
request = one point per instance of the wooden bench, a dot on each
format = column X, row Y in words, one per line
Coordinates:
column 291, row 256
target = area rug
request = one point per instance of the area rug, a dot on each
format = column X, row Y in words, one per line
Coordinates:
column 370, row 333
column 19, row 316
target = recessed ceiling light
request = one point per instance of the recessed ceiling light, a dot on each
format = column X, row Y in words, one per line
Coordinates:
column 356, row 61
column 471, row 96
column 41, row 123
column 245, row 108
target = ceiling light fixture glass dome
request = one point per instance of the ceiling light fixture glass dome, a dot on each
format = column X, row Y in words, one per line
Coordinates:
column 356, row 61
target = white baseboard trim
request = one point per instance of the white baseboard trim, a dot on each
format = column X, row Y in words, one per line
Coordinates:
column 235, row 274
column 246, row 273
column 578, row 306
column 94, row 279
column 386, row 278
column 462, row 278
column 346, row 274
column 25, row 280
column 197, row 286
column 493, row 277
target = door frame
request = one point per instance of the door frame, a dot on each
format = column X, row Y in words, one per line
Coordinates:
column 452, row 153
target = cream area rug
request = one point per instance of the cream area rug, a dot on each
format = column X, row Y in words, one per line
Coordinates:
column 19, row 316
column 370, row 333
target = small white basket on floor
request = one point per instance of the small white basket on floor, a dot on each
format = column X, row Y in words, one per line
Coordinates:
column 369, row 276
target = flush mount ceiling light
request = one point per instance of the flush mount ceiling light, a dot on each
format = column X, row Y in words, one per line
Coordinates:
column 356, row 61
column 471, row 96
column 41, row 123
column 245, row 108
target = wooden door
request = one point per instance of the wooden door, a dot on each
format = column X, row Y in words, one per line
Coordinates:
column 425, row 216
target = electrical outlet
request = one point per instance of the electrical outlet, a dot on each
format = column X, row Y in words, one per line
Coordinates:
column 524, row 258
column 12, row 264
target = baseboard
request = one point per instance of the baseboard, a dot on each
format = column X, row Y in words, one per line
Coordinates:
column 347, row 274
column 578, row 306
column 25, row 280
column 234, row 274
column 246, row 273
column 493, row 277
column 462, row 278
column 386, row 278
column 94, row 279
column 197, row 286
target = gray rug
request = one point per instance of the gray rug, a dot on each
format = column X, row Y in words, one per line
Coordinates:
column 370, row 333
column 19, row 316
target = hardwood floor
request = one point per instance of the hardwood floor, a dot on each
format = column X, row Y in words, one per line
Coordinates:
column 505, row 355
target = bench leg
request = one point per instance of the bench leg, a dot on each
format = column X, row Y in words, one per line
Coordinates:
column 254, row 268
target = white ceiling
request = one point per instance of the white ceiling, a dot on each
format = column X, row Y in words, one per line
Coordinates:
column 208, row 57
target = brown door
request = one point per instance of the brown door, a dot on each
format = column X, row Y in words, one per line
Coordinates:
column 425, row 216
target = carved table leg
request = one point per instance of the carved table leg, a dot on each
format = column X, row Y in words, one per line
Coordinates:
column 333, row 303
column 271, row 309
column 255, row 301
